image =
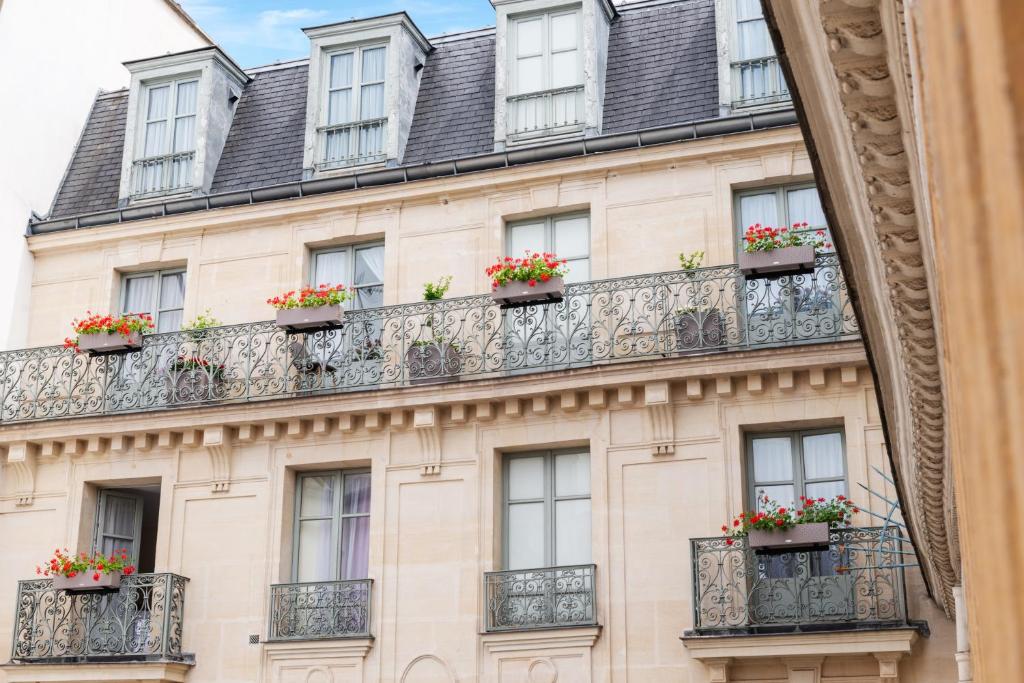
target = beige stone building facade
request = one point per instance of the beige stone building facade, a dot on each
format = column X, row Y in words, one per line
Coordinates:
column 452, row 491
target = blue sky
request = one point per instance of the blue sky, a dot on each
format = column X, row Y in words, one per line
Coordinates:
column 257, row 32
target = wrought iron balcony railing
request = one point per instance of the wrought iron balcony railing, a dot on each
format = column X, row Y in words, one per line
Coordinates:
column 163, row 174
column 324, row 609
column 141, row 621
column 758, row 81
column 351, row 144
column 857, row 581
column 554, row 597
column 545, row 112
column 665, row 315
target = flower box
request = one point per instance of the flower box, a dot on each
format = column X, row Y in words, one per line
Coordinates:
column 109, row 342
column 191, row 386
column 799, row 537
column 777, row 262
column 84, row 582
column 433, row 362
column 519, row 293
column 318, row 317
column 698, row 330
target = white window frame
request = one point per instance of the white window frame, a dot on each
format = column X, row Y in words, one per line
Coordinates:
column 357, row 118
column 546, row 51
column 337, row 517
column 781, row 208
column 736, row 95
column 798, row 480
column 350, row 251
column 170, row 119
column 155, row 309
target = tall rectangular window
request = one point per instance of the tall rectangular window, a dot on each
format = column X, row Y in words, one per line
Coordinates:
column 354, row 127
column 359, row 267
column 781, row 206
column 168, row 137
column 547, row 509
column 787, row 465
column 332, row 526
column 546, row 73
column 567, row 235
column 160, row 293
column 757, row 78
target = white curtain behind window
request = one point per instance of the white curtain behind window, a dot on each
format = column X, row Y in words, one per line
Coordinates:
column 369, row 277
column 371, row 105
column 355, row 528
column 331, row 268
column 773, row 462
column 339, row 100
column 138, row 294
column 564, row 56
column 172, row 301
column 185, row 119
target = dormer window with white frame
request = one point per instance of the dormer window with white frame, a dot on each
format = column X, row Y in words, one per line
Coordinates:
column 355, row 130
column 546, row 75
column 180, row 108
column 550, row 63
column 749, row 70
column 168, row 148
column 363, row 81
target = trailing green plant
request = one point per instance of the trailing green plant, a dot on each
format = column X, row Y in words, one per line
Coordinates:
column 435, row 291
column 691, row 261
column 203, row 321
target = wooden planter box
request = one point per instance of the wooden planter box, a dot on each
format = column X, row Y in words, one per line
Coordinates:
column 84, row 582
column 517, row 293
column 802, row 536
column 105, row 342
column 190, row 386
column 699, row 330
column 431, row 363
column 300, row 319
column 778, row 262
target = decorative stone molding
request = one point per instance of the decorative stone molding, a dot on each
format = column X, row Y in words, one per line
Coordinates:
column 660, row 418
column 21, row 462
column 718, row 669
column 428, row 428
column 217, row 443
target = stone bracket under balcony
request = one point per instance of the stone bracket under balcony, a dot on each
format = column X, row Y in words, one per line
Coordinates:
column 559, row 654
column 803, row 654
column 301, row 659
column 106, row 672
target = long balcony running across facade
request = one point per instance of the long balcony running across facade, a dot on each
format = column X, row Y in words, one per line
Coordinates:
column 643, row 317
column 857, row 581
column 140, row 621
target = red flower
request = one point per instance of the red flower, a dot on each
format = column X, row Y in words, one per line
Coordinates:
column 728, row 541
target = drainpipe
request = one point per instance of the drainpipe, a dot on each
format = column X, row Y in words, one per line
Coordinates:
column 963, row 641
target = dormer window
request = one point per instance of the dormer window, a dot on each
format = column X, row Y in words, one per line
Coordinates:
column 168, row 150
column 756, row 76
column 355, row 130
column 546, row 78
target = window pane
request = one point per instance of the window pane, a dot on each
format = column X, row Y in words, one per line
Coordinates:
column 315, row 550
column 341, row 70
column 330, row 268
column 748, row 9
column 579, row 270
column 529, row 74
column 374, row 65
column 355, row 547
column 758, row 208
column 185, row 103
column 753, row 41
column 172, row 290
column 572, row 237
column 783, row 495
column 773, row 459
column 119, row 516
column 529, row 37
column 564, row 69
column 369, row 297
column 168, row 321
column 184, row 134
column 572, row 532
column 371, row 105
column 357, row 494
column 805, row 207
column 525, row 535
column 563, row 31
column 525, row 478
column 339, row 108
column 138, row 294
column 369, row 265
column 317, row 494
column 525, row 237
column 157, row 102
column 156, row 137
column 572, row 474
column 823, row 456
column 826, row 489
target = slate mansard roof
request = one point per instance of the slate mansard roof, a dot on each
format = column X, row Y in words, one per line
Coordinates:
column 662, row 71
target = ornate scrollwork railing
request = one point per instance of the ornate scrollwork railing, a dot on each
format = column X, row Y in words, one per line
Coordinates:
column 663, row 315
column 142, row 620
column 323, row 609
column 858, row 580
column 539, row 598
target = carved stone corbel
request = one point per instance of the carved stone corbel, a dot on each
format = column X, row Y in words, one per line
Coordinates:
column 21, row 462
column 660, row 418
column 427, row 424
column 217, row 443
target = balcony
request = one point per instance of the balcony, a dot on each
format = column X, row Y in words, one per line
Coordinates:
column 857, row 582
column 549, row 112
column 644, row 317
column 162, row 174
column 757, row 82
column 352, row 144
column 527, row 599
column 320, row 610
column 140, row 622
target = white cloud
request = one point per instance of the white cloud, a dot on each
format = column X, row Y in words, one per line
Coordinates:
column 276, row 31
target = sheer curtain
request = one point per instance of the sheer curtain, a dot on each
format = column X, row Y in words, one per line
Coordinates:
column 316, row 520
column 355, row 529
column 172, row 302
column 824, row 462
column 773, row 470
column 138, row 294
column 369, row 277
